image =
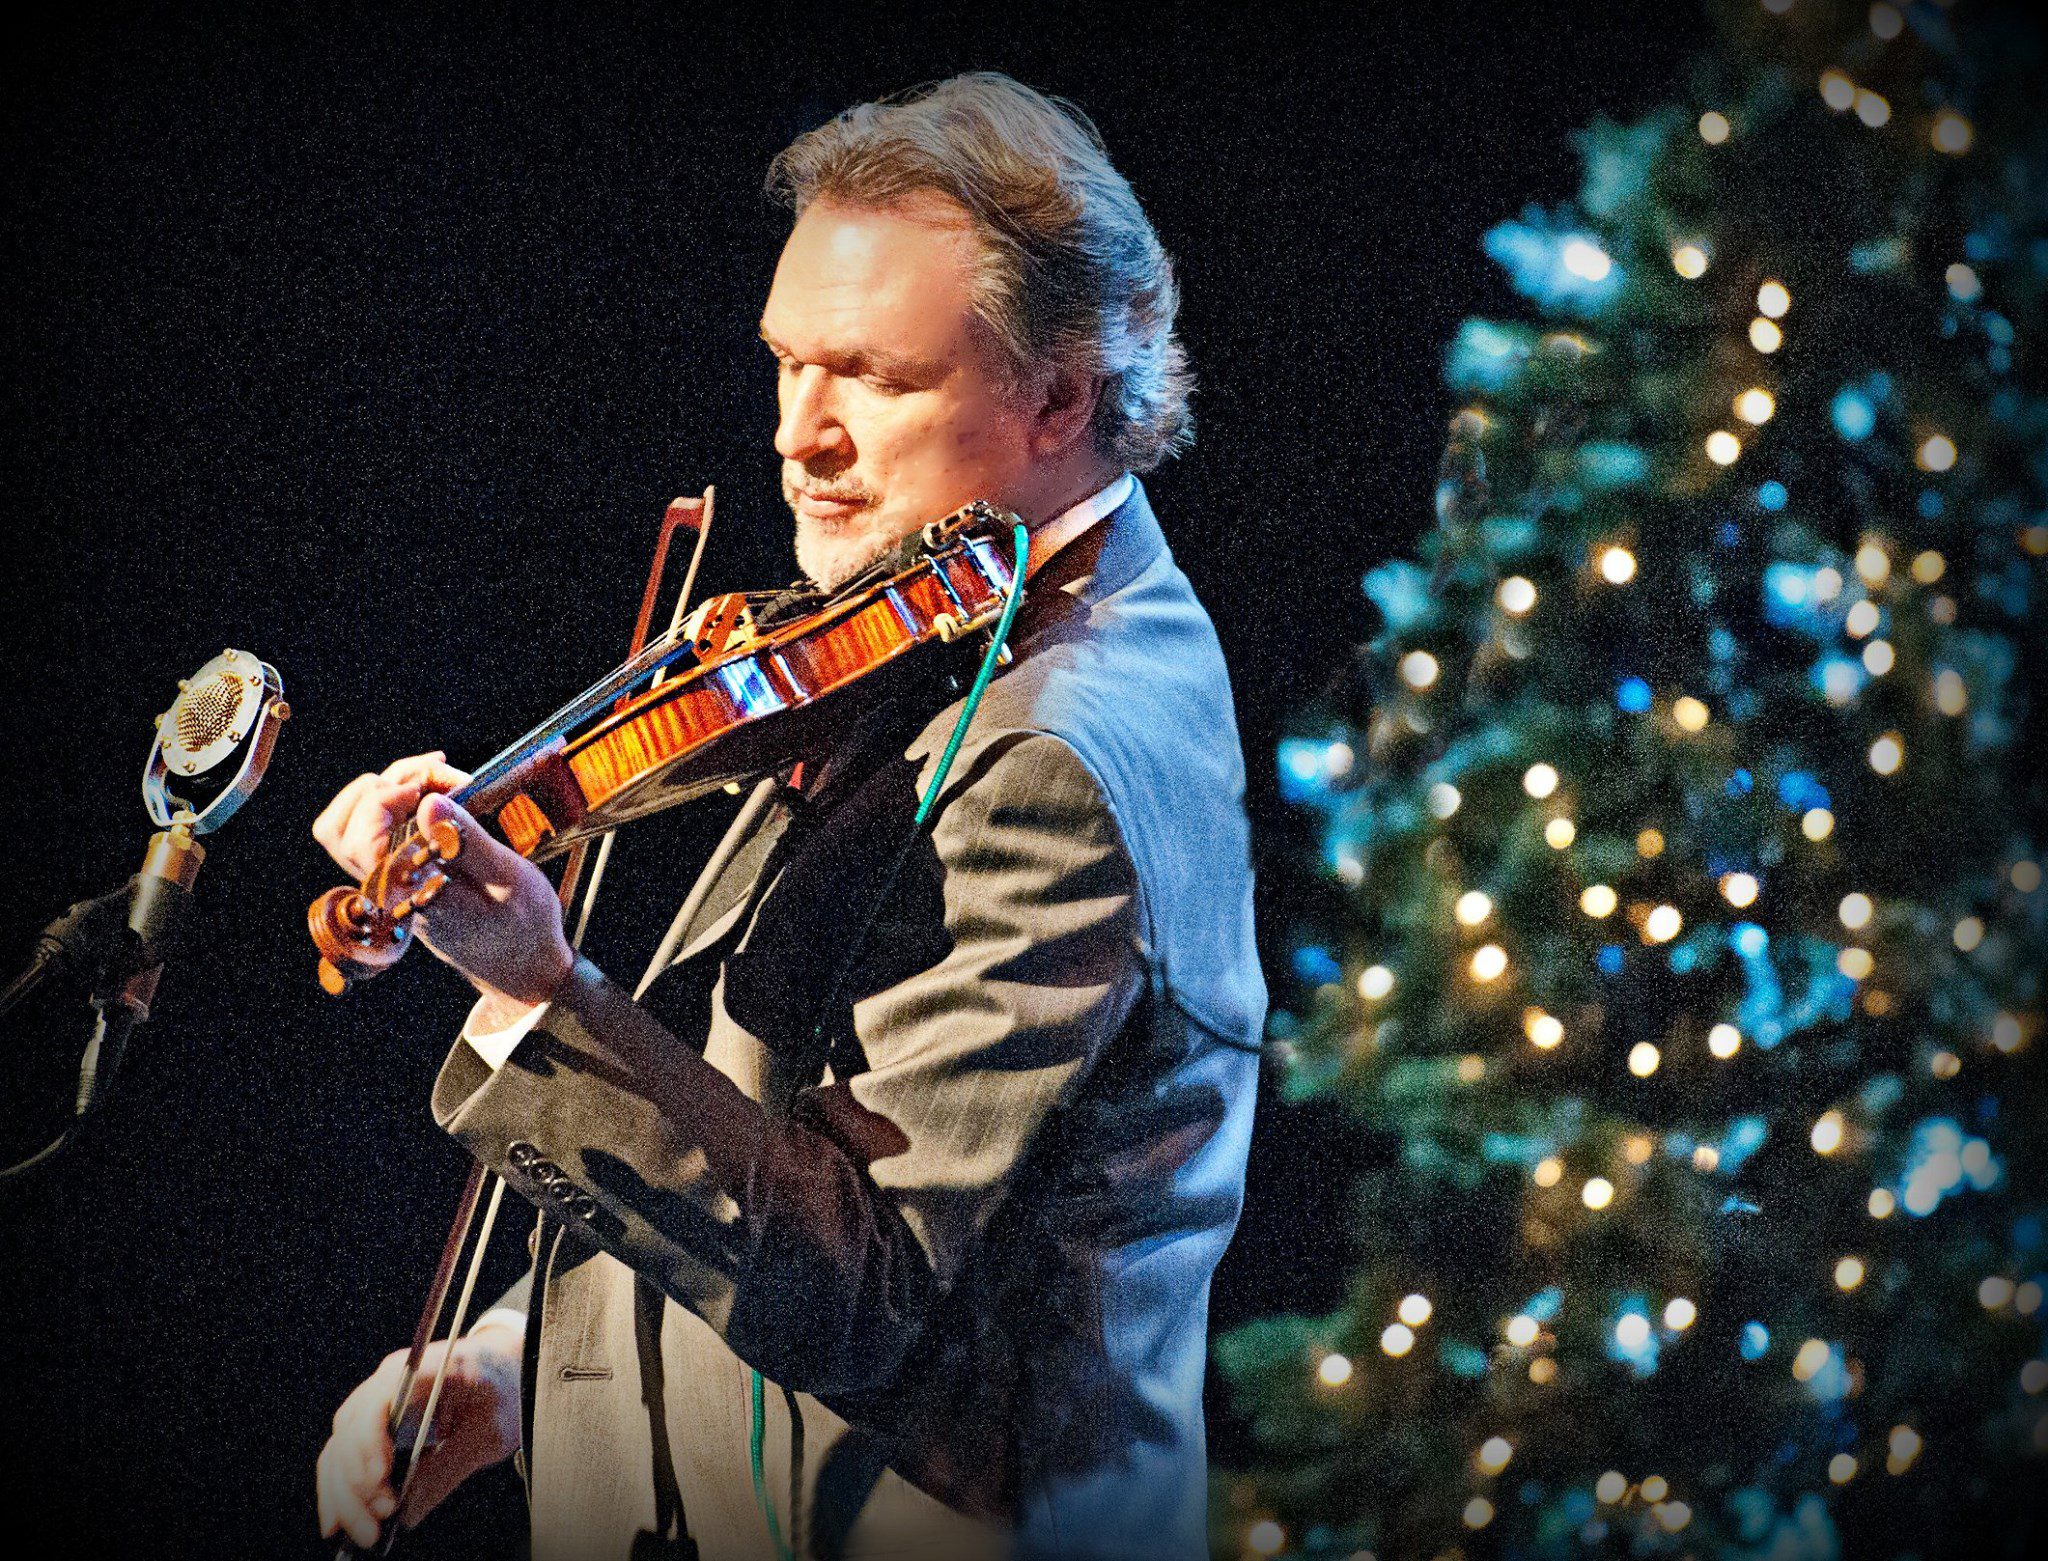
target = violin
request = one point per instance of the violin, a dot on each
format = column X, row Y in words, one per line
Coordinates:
column 744, row 688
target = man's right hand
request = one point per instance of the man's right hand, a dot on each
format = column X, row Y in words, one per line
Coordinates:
column 476, row 1424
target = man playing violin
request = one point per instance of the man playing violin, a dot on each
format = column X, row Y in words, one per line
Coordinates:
column 880, row 1223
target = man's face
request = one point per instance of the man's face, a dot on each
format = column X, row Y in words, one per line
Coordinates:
column 894, row 408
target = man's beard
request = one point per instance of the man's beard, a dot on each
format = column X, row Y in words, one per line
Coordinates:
column 830, row 553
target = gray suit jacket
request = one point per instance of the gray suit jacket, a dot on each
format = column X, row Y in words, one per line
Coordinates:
column 968, row 1241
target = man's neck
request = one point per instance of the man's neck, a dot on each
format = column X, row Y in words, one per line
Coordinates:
column 1064, row 487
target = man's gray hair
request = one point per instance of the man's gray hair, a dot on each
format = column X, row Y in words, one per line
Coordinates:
column 1072, row 274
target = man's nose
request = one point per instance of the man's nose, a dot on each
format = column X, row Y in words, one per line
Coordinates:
column 808, row 426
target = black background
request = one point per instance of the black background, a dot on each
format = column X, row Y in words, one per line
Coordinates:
column 374, row 339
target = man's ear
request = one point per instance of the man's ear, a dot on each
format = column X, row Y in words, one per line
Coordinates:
column 1065, row 402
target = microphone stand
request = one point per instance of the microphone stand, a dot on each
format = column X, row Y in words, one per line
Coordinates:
column 117, row 943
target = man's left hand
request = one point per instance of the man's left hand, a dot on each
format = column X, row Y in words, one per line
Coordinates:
column 498, row 921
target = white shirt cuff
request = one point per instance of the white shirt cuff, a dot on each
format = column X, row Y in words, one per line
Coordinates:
column 494, row 1046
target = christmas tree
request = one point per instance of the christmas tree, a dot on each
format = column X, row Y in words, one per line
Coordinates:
column 1681, row 845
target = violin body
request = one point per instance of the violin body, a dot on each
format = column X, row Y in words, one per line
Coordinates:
column 731, row 701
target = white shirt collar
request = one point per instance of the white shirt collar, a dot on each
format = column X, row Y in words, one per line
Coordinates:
column 1069, row 523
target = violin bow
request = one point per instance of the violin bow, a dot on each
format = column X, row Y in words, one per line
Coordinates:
column 694, row 514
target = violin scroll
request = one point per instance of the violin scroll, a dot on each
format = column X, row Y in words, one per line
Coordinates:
column 365, row 931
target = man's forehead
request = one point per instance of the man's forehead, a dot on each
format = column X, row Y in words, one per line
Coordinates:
column 896, row 271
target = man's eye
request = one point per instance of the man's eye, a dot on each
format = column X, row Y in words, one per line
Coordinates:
column 883, row 384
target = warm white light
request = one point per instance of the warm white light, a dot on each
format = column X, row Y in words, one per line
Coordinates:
column 1739, row 889
column 1494, row 1454
column 1837, row 91
column 1643, row 1059
column 1813, row 1355
column 1951, row 133
column 1723, row 448
column 1962, row 282
column 1617, row 565
column 1375, row 982
column 1937, row 453
column 1904, row 1446
column 1873, row 110
column 1714, row 127
column 1444, row 799
column 1663, row 924
column 1265, row 1537
column 1886, row 22
column 1611, row 1486
column 1516, row 595
column 1773, row 299
column 1944, row 1065
column 1559, row 833
column 1597, row 1193
column 1397, row 1340
column 1887, row 753
column 1828, row 1132
column 1855, row 911
column 1549, row 1171
column 1764, row 335
column 1689, row 261
column 1863, row 618
column 1856, row 964
column 1929, row 567
column 1473, row 907
column 1827, row 583
column 1680, row 1314
column 1598, row 900
column 1478, row 1512
column 1418, row 669
column 1882, row 1203
column 2026, row 875
column 1545, row 1031
column 1632, row 1332
column 1755, row 406
column 1817, row 824
column 1521, row 1330
column 1415, row 1309
column 1879, row 658
column 1671, row 1516
column 1842, row 1468
column 1539, row 781
column 1690, row 714
column 1724, row 1041
column 1587, row 260
column 1995, row 1292
column 2005, row 1033
column 1873, row 563
column 1335, row 1370
column 1488, row 961
column 1849, row 1273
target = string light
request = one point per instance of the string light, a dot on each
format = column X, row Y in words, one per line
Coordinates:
column 1724, row 1041
column 1873, row 110
column 1962, row 282
column 1863, row 618
column 1521, row 1330
column 1714, row 127
column 1879, row 658
column 1937, row 453
column 1817, row 824
column 1882, row 1203
column 1397, row 1339
column 1951, row 133
column 1755, row 406
column 1545, row 1031
column 1471, row 1068
column 2026, row 875
column 1632, row 1332
column 1334, row 1371
column 1929, row 567
column 1597, row 1193
column 1375, row 982
column 1842, row 1468
column 1655, row 1487
column 1855, row 911
column 1419, row 669
column 1598, row 901
column 1904, row 1446
column 1828, row 1132
column 1664, row 924
column 1671, row 1516
column 1873, row 564
column 1764, row 335
column 1772, row 300
column 1516, row 595
column 1611, row 1486
column 1689, row 713
column 1473, row 907
column 1478, row 1512
column 1888, row 753
column 2006, row 1034
column 1739, row 889
column 1650, row 843
column 1637, row 1148
column 1944, row 1065
column 1415, row 1309
column 2034, row 1378
column 1617, row 565
column 1586, row 260
column 1837, row 91
column 1493, row 1454
column 1542, row 1370
column 1723, row 448
column 1559, row 833
column 1265, row 1537
column 1488, row 961
column 1549, row 1171
column 1856, row 964
column 1643, row 1059
column 1444, row 799
column 1680, row 1314
column 1886, row 22
column 1539, row 781
column 1827, row 583
column 1849, row 1273
column 1995, row 1293
column 1689, row 261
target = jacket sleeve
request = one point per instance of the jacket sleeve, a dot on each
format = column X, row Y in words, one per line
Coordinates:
column 816, row 1242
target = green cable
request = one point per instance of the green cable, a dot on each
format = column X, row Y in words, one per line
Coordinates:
column 757, row 1388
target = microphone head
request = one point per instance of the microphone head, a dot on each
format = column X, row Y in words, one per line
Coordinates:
column 214, row 742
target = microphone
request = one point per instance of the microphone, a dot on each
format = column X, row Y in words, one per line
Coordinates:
column 213, row 744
